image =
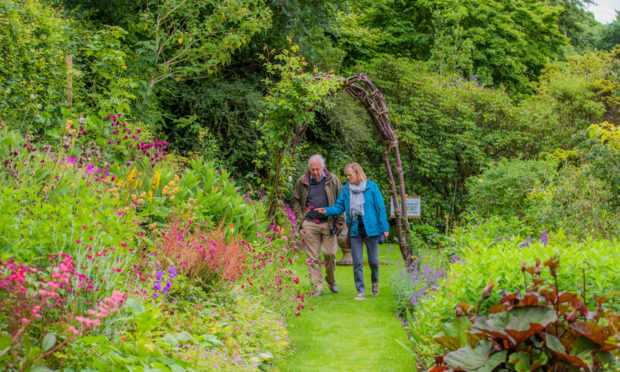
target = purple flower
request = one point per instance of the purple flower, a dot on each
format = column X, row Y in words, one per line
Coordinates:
column 159, row 275
column 167, row 287
column 172, row 271
column 157, row 285
column 544, row 238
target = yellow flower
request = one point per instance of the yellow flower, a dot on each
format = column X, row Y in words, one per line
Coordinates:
column 176, row 178
column 180, row 40
column 142, row 194
column 171, row 183
column 133, row 196
column 140, row 201
column 124, row 67
column 155, row 180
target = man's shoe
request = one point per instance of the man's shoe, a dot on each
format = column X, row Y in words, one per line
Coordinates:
column 333, row 287
column 317, row 293
column 375, row 289
column 360, row 296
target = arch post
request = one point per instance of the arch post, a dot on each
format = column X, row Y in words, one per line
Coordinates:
column 361, row 87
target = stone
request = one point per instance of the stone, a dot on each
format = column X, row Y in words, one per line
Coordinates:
column 344, row 242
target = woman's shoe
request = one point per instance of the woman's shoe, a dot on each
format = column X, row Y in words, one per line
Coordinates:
column 375, row 289
column 360, row 296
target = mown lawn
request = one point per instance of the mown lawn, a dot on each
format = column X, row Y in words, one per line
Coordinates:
column 342, row 334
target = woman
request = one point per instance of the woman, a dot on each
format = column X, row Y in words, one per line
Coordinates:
column 361, row 199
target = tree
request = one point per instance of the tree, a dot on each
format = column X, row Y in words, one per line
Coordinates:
column 184, row 39
column 497, row 42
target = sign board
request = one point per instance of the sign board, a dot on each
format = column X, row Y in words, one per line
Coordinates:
column 414, row 204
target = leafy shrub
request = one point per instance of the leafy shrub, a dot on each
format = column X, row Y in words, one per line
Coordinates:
column 541, row 330
column 418, row 280
column 39, row 313
column 502, row 189
column 56, row 203
column 200, row 253
column 579, row 201
column 488, row 257
column 189, row 329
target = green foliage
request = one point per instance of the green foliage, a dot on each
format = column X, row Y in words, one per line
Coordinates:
column 609, row 35
column 180, row 39
column 580, row 92
column 215, row 119
column 541, row 329
column 499, row 43
column 47, row 198
column 487, row 253
column 448, row 130
column 578, row 201
column 503, row 188
column 34, row 40
column 608, row 134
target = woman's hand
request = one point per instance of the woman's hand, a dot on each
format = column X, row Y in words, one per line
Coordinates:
column 386, row 233
column 320, row 210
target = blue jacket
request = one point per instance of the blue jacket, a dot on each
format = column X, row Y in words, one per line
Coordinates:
column 374, row 218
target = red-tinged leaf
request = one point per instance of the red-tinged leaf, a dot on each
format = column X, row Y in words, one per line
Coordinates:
column 595, row 333
column 439, row 369
column 567, row 297
column 520, row 336
column 509, row 299
column 481, row 357
column 549, row 294
column 530, row 299
column 554, row 344
column 496, row 309
column 439, row 360
column 467, row 308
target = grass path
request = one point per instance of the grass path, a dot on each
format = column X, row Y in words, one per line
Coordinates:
column 342, row 334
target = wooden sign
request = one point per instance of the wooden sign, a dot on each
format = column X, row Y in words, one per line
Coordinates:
column 414, row 204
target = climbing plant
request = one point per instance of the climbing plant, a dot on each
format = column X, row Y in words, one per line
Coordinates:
column 293, row 95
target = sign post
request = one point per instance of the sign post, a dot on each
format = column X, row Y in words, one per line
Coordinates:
column 414, row 204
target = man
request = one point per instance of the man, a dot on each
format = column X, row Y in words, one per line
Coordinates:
column 318, row 188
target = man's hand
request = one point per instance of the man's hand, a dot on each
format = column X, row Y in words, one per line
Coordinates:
column 320, row 210
column 338, row 227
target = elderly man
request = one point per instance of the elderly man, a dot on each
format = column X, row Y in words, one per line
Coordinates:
column 318, row 188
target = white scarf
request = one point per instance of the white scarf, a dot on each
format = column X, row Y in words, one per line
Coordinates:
column 357, row 199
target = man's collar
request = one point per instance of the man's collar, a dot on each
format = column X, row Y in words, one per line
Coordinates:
column 322, row 176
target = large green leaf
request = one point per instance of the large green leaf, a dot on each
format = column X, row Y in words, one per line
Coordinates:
column 49, row 340
column 453, row 335
column 478, row 359
column 516, row 325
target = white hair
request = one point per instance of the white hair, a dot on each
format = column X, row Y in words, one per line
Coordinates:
column 316, row 157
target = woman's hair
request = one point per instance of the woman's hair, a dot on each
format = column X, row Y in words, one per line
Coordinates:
column 355, row 167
